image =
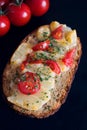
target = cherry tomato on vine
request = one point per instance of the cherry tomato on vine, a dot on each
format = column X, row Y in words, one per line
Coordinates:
column 38, row 7
column 4, row 3
column 19, row 15
column 4, row 25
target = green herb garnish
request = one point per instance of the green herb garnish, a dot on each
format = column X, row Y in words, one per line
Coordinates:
column 23, row 77
column 41, row 56
column 37, row 101
column 45, row 34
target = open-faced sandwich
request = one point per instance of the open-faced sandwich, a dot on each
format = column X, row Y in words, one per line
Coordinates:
column 37, row 79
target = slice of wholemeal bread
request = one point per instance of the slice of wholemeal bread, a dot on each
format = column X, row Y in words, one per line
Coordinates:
column 58, row 93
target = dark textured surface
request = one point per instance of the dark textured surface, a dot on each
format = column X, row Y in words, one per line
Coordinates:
column 73, row 114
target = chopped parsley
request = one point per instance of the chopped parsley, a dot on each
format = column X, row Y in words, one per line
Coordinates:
column 45, row 34
column 37, row 101
column 36, row 86
column 23, row 77
column 41, row 56
column 52, row 40
column 45, row 93
column 43, row 75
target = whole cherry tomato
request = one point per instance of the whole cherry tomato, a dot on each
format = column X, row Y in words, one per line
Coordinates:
column 38, row 7
column 19, row 15
column 4, row 3
column 4, row 25
column 29, row 84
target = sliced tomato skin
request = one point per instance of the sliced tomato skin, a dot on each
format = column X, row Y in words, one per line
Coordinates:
column 37, row 61
column 58, row 32
column 42, row 46
column 54, row 66
column 30, row 61
column 30, row 85
column 68, row 59
column 22, row 66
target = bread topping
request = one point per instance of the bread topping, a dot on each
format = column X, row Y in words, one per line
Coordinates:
column 51, row 56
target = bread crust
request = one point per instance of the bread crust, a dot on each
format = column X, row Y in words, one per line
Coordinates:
column 67, row 78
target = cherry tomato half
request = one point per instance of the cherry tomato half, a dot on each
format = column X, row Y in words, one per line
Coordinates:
column 29, row 59
column 36, row 61
column 58, row 33
column 68, row 59
column 4, row 25
column 19, row 15
column 54, row 66
column 38, row 7
column 25, row 63
column 41, row 46
column 29, row 84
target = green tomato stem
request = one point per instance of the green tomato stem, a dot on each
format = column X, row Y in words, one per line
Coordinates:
column 18, row 2
column 1, row 12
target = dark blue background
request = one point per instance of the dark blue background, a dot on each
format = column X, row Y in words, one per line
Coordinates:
column 73, row 114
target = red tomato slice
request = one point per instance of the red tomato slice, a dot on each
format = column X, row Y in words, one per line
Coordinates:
column 41, row 46
column 58, row 32
column 53, row 65
column 31, row 62
column 29, row 83
column 68, row 59
column 36, row 61
column 30, row 59
column 23, row 66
